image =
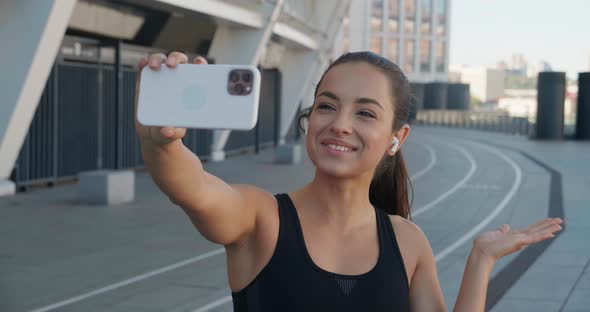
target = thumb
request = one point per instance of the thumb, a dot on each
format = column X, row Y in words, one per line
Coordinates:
column 172, row 133
column 167, row 132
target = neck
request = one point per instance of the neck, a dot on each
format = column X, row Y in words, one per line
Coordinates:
column 342, row 202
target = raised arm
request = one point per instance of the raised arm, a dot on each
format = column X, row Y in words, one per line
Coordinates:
column 425, row 292
column 487, row 249
column 222, row 213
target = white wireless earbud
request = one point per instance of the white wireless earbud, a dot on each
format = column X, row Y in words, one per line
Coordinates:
column 395, row 144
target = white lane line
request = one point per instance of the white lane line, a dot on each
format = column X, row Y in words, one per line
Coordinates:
column 430, row 165
column 214, row 304
column 445, row 252
column 478, row 228
column 473, row 167
column 130, row 281
column 433, row 160
column 221, row 250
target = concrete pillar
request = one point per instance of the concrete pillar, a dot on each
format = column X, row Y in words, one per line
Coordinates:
column 583, row 112
column 417, row 100
column 359, row 22
column 435, row 95
column 550, row 102
column 28, row 57
column 302, row 67
column 458, row 96
column 240, row 45
column 297, row 71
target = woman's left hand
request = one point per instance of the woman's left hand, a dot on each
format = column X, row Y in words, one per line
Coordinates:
column 501, row 242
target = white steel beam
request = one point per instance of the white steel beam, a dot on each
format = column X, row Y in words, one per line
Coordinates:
column 232, row 45
column 29, row 56
column 222, row 10
column 301, row 68
column 296, row 36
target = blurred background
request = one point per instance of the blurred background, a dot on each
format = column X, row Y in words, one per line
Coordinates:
column 499, row 72
column 472, row 64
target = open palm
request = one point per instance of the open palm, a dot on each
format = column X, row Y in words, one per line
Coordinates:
column 503, row 241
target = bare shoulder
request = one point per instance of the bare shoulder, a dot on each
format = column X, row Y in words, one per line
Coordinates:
column 265, row 206
column 412, row 242
column 406, row 228
column 254, row 195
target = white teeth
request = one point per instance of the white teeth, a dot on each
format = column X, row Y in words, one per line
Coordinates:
column 339, row 148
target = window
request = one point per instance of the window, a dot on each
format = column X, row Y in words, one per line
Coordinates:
column 377, row 17
column 409, row 57
column 440, row 57
column 441, row 11
column 426, row 18
column 425, row 56
column 392, row 50
column 376, row 44
column 410, row 19
column 393, row 19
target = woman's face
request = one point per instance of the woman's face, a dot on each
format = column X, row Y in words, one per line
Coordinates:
column 350, row 127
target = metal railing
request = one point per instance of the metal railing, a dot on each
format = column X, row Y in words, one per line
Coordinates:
column 74, row 127
column 485, row 121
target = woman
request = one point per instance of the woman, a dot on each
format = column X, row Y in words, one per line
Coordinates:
column 344, row 241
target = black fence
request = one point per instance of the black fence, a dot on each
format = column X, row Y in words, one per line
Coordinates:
column 486, row 121
column 75, row 126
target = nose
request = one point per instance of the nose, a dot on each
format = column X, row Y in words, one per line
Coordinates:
column 341, row 125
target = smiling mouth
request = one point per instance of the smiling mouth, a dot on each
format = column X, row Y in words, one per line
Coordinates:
column 338, row 148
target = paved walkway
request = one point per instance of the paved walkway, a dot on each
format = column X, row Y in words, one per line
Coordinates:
column 60, row 254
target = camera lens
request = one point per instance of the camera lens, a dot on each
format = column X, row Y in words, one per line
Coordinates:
column 247, row 77
column 234, row 77
column 239, row 88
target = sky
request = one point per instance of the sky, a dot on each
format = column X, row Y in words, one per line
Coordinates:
column 484, row 32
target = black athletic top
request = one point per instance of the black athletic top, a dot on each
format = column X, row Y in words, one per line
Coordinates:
column 291, row 281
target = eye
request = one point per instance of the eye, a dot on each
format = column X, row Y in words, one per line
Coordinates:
column 367, row 114
column 324, row 106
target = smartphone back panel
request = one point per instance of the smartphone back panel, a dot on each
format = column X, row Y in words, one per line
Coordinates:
column 197, row 96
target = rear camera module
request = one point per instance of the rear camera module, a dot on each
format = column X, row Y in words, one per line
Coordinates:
column 246, row 77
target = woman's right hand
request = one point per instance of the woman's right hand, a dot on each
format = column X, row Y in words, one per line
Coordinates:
column 160, row 135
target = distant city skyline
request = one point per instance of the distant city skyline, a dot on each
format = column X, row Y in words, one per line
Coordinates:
column 485, row 33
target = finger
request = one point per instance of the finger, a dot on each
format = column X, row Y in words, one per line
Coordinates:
column 552, row 228
column 156, row 60
column 172, row 133
column 141, row 64
column 537, row 237
column 538, row 225
column 551, row 225
column 199, row 60
column 176, row 58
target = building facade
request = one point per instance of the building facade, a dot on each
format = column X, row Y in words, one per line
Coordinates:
column 487, row 84
column 412, row 33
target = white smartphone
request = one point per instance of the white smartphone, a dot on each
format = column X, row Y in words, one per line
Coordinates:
column 199, row 96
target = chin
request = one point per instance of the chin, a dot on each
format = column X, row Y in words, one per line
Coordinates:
column 334, row 168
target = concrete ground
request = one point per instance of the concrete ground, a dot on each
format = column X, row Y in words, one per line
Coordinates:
column 58, row 254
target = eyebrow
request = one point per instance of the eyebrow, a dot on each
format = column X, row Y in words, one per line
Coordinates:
column 360, row 100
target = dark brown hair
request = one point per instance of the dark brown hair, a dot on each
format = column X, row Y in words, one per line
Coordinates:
column 390, row 185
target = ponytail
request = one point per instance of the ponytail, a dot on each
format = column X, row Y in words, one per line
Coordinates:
column 390, row 185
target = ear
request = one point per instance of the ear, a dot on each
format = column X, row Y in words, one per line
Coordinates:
column 401, row 135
